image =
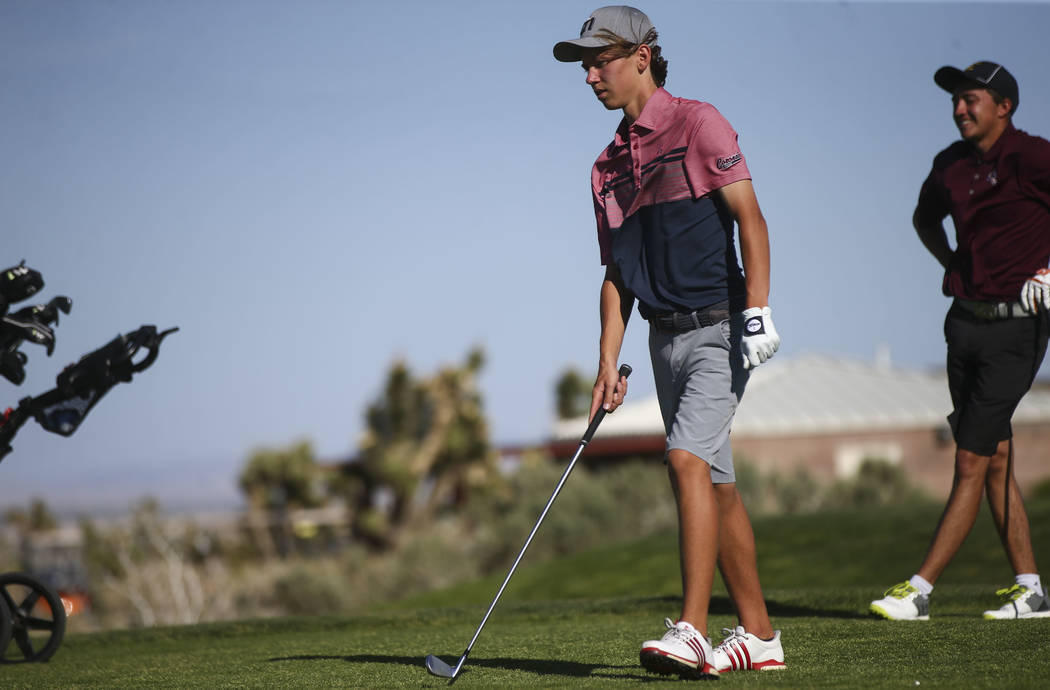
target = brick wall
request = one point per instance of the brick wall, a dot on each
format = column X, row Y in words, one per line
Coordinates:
column 927, row 455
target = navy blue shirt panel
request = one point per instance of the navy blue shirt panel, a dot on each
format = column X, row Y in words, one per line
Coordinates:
column 679, row 256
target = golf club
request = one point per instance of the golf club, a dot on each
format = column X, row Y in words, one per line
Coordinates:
column 438, row 667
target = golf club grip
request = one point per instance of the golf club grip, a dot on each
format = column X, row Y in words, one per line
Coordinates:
column 625, row 371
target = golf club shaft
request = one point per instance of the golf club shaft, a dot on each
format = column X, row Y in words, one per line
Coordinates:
column 625, row 371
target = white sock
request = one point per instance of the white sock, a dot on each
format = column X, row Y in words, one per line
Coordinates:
column 1031, row 581
column 921, row 584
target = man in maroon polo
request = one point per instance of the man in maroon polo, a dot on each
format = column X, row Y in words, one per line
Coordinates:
column 995, row 184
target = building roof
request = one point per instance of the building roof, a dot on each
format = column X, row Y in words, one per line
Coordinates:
column 815, row 394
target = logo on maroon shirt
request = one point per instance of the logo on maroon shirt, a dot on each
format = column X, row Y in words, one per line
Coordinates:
column 993, row 178
column 729, row 161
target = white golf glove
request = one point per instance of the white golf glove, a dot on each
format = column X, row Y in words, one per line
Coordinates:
column 1035, row 292
column 760, row 339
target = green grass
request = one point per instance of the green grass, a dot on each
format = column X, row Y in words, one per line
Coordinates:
column 579, row 621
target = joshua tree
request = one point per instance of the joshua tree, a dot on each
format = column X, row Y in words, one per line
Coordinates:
column 426, row 446
column 276, row 481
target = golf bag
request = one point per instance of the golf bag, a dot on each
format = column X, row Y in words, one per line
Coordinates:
column 80, row 386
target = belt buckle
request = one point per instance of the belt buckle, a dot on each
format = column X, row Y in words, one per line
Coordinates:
column 986, row 310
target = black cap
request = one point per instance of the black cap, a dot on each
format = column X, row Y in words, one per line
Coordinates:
column 987, row 75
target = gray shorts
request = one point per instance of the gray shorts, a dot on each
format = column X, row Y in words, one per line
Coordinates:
column 700, row 378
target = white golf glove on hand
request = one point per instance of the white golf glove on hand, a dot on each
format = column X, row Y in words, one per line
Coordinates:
column 1035, row 292
column 760, row 339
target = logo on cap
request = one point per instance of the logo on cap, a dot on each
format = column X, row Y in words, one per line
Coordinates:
column 972, row 71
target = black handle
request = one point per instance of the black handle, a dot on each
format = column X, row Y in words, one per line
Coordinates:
column 625, row 371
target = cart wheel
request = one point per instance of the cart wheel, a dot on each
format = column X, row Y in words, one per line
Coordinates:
column 38, row 618
column 5, row 624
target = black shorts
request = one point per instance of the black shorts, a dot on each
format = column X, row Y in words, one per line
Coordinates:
column 991, row 365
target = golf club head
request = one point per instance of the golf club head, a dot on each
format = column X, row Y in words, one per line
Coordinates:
column 63, row 303
column 27, row 329
column 46, row 314
column 12, row 366
column 19, row 282
column 439, row 668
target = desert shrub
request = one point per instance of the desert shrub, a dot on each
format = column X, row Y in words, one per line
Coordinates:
column 794, row 493
column 595, row 507
column 149, row 571
column 313, row 587
column 8, row 552
column 877, row 483
column 751, row 485
column 436, row 557
column 598, row 506
column 1041, row 491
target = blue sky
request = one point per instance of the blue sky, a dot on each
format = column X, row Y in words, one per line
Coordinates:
column 311, row 190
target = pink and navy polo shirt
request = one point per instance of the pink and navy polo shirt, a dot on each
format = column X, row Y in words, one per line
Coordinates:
column 1000, row 205
column 658, row 223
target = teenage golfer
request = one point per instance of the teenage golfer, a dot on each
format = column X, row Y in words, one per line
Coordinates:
column 667, row 191
column 995, row 184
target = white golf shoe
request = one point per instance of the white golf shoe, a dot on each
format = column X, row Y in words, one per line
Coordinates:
column 682, row 650
column 1021, row 602
column 902, row 603
column 742, row 651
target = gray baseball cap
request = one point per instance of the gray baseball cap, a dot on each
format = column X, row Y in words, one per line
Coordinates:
column 626, row 22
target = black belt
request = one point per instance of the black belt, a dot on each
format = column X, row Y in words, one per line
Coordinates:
column 681, row 322
column 994, row 311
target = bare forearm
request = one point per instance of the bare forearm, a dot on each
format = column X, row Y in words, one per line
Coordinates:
column 739, row 198
column 615, row 306
column 754, row 254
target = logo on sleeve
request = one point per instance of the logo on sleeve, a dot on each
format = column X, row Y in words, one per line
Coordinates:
column 729, row 161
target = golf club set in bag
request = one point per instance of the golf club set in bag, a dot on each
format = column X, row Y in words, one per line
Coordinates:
column 32, row 615
column 438, row 667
